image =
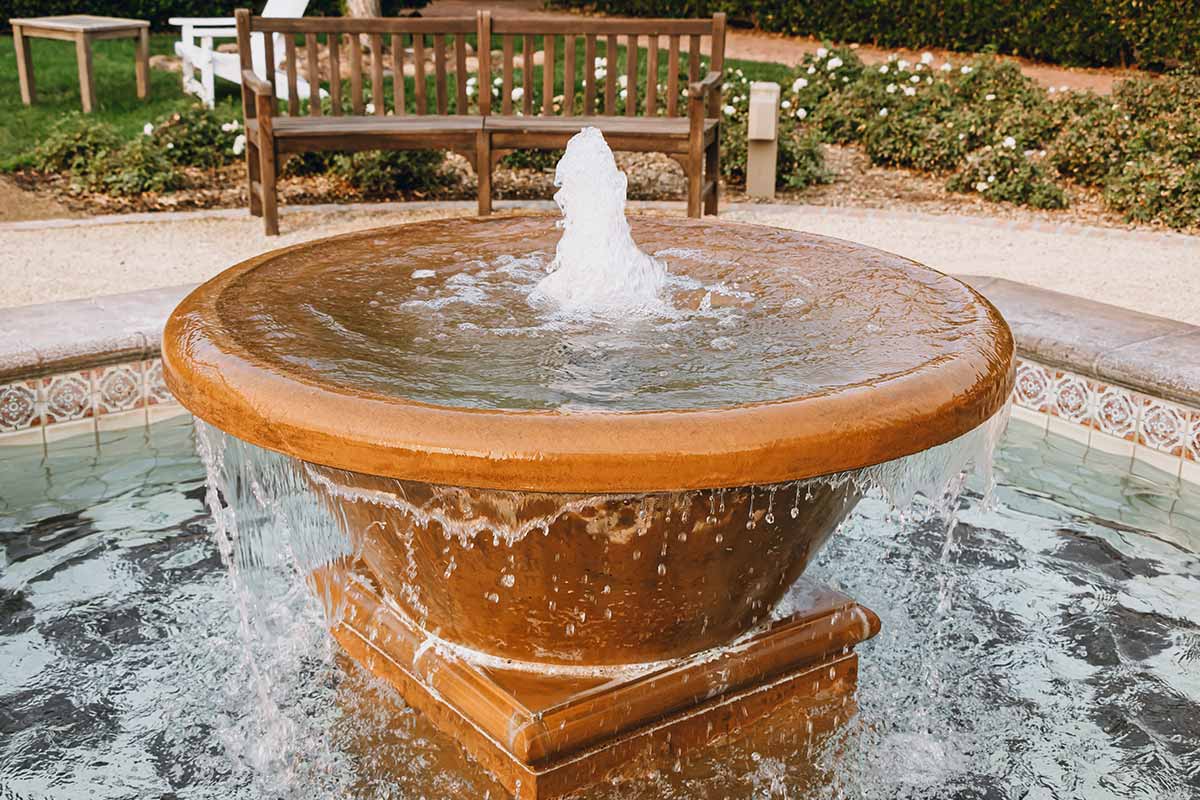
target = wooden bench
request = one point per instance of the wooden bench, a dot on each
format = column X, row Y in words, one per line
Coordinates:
column 442, row 106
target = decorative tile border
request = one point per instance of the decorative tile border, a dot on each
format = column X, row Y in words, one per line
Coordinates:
column 115, row 396
column 1106, row 416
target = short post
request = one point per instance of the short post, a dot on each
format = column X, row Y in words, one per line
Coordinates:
column 762, row 143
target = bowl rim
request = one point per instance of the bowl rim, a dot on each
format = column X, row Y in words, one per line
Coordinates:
column 774, row 441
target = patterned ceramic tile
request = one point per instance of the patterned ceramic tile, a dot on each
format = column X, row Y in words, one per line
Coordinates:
column 119, row 388
column 1192, row 450
column 1161, row 426
column 19, row 406
column 1072, row 399
column 1115, row 410
column 1034, row 386
column 68, row 397
column 156, row 388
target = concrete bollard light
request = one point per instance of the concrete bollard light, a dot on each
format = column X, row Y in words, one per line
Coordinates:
column 762, row 137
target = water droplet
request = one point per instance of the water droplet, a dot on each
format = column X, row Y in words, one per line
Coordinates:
column 508, row 580
column 493, row 597
column 662, row 569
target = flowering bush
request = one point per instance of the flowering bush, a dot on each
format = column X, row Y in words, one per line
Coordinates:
column 140, row 166
column 198, row 136
column 1006, row 172
column 390, row 173
column 74, row 143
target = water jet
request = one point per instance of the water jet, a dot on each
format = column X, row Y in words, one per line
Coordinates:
column 558, row 482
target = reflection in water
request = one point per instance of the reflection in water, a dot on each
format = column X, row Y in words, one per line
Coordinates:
column 1049, row 648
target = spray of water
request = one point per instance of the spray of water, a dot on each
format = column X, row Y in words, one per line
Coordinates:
column 597, row 267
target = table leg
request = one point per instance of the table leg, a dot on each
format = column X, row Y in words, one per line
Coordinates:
column 143, row 63
column 24, row 66
column 83, row 54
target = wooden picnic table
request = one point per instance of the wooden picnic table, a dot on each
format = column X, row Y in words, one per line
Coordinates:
column 82, row 29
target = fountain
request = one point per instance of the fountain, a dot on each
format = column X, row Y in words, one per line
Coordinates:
column 556, row 500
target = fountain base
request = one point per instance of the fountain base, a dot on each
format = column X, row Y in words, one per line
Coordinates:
column 545, row 735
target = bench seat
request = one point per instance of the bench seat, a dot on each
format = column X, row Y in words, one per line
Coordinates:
column 301, row 134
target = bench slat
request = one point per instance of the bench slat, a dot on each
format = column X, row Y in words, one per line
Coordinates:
column 569, row 74
column 612, row 68
column 460, row 73
column 673, row 78
column 419, row 71
column 694, row 58
column 527, row 48
column 631, row 75
column 313, row 73
column 548, row 75
column 356, row 87
column 289, row 47
column 377, row 74
column 484, row 53
column 652, row 76
column 589, row 74
column 334, row 41
column 269, row 53
column 507, row 87
column 439, row 68
column 398, row 74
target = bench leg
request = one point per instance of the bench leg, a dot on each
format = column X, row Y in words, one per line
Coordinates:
column 266, row 167
column 695, row 176
column 254, row 179
column 712, row 171
column 483, row 171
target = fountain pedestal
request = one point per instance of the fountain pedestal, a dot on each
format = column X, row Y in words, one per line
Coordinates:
column 548, row 734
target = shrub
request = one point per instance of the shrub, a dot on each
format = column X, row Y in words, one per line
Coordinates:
column 391, row 173
column 73, row 143
column 1084, row 32
column 1007, row 173
column 141, row 166
column 540, row 160
column 1158, row 190
column 198, row 136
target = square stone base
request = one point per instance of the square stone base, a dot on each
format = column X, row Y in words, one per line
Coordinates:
column 545, row 735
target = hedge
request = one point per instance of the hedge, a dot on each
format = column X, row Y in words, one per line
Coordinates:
column 159, row 11
column 1150, row 33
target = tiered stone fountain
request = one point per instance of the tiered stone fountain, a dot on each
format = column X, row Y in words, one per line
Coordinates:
column 573, row 500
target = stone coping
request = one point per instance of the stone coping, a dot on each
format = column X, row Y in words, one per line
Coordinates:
column 1156, row 356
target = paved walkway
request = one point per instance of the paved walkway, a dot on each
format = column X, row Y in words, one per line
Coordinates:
column 751, row 45
column 1150, row 272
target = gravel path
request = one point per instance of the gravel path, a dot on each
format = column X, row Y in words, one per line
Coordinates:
column 1157, row 273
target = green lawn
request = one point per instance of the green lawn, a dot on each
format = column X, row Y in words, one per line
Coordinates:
column 57, row 84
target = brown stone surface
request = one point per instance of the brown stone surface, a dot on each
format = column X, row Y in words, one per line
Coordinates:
column 546, row 735
column 1158, row 356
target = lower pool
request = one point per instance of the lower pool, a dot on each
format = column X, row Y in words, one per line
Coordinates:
column 1045, row 644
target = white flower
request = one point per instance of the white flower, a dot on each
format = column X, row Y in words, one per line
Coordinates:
column 909, row 91
column 1064, row 88
column 229, row 127
column 902, row 64
column 947, row 67
column 730, row 111
column 822, row 52
column 725, row 87
column 239, row 144
column 965, row 70
column 883, row 112
column 785, row 105
column 991, row 178
column 799, row 84
column 981, row 186
column 926, row 57
column 883, row 70
column 915, row 79
column 1010, row 142
column 891, row 88
column 518, row 93
column 1051, row 90
column 801, row 113
column 600, row 73
column 600, row 61
column 147, row 129
column 623, row 80
column 962, row 136
column 498, row 82
column 833, row 64
column 892, row 57
column 370, row 108
column 989, row 97
column 170, row 145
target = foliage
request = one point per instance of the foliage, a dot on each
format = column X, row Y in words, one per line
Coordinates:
column 392, row 173
column 141, row 166
column 1083, row 32
column 159, row 11
column 540, row 160
column 1007, row 173
column 198, row 137
column 73, row 143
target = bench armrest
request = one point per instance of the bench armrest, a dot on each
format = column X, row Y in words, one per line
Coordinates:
column 256, row 84
column 698, row 89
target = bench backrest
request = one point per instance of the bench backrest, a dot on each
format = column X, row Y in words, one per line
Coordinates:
column 602, row 70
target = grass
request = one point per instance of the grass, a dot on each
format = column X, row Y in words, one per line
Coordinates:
column 57, row 85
